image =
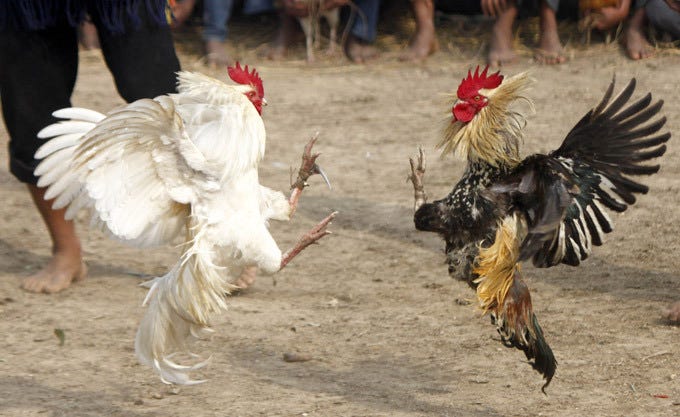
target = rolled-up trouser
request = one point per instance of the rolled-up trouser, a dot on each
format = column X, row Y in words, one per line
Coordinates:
column 38, row 72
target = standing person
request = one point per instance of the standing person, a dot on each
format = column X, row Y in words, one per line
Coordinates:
column 38, row 67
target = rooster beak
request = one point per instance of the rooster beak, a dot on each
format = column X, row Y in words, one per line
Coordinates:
column 318, row 170
column 264, row 101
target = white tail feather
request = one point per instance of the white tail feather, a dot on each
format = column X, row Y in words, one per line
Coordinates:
column 180, row 305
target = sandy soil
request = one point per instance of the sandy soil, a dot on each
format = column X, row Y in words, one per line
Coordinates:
column 387, row 331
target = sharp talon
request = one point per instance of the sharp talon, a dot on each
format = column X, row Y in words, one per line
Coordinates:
column 323, row 175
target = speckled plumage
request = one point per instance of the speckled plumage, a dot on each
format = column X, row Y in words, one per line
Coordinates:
column 547, row 208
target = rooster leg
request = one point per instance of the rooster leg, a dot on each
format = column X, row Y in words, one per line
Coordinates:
column 307, row 239
column 307, row 169
column 416, row 178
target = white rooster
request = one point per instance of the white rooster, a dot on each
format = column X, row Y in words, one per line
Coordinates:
column 180, row 163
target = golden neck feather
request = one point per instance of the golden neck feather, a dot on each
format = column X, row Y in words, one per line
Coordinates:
column 495, row 133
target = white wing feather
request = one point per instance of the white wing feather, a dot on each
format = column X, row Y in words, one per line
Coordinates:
column 186, row 161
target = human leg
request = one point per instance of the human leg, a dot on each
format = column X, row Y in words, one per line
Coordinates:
column 424, row 42
column 359, row 47
column 142, row 59
column 663, row 17
column 181, row 11
column 501, row 51
column 216, row 14
column 634, row 40
column 37, row 75
column 550, row 50
column 284, row 37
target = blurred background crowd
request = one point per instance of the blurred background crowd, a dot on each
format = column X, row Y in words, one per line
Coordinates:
column 639, row 26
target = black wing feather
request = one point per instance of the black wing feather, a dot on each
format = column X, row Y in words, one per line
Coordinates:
column 568, row 190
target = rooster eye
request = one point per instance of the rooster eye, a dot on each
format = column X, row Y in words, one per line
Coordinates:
column 477, row 98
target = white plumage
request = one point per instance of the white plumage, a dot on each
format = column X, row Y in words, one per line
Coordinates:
column 182, row 164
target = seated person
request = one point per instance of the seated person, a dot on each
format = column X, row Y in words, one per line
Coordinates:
column 359, row 45
column 664, row 15
column 501, row 51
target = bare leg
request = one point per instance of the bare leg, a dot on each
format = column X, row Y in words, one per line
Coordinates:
column 550, row 50
column 217, row 55
column 284, row 36
column 634, row 39
column 501, row 51
column 359, row 51
column 88, row 35
column 66, row 265
column 424, row 42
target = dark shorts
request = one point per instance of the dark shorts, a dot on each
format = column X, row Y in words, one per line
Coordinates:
column 38, row 72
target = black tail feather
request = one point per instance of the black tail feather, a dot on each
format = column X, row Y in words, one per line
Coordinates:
column 518, row 327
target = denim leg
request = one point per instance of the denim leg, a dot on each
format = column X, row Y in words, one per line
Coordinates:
column 216, row 14
column 662, row 17
column 366, row 20
column 257, row 6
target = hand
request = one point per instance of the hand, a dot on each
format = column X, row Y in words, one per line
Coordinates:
column 493, row 8
column 300, row 8
column 608, row 17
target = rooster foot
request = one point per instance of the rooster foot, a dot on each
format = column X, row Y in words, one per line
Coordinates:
column 316, row 233
column 416, row 178
column 309, row 166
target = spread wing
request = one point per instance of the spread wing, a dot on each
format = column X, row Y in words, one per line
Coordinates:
column 136, row 168
column 564, row 195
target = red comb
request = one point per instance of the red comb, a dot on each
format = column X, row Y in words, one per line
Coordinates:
column 242, row 76
column 471, row 85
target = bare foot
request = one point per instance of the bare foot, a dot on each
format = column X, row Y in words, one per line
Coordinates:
column 57, row 275
column 550, row 50
column 500, row 50
column 672, row 314
column 634, row 39
column 247, row 278
column 424, row 42
column 216, row 53
column 423, row 45
column 358, row 51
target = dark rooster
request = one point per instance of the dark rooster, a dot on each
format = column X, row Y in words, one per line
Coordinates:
column 547, row 208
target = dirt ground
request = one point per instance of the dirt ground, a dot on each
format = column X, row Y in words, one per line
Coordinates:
column 387, row 331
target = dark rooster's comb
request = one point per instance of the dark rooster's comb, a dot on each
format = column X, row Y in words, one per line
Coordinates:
column 242, row 76
column 470, row 86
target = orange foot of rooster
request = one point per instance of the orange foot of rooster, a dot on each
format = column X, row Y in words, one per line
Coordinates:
column 316, row 233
